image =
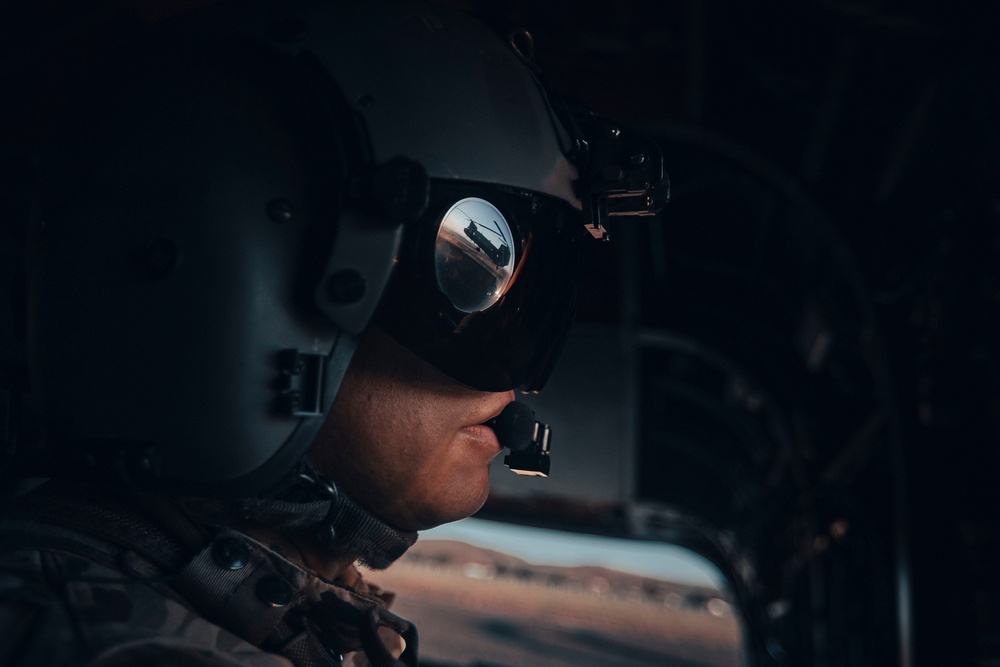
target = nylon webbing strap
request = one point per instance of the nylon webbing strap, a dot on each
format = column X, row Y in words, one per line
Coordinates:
column 356, row 532
column 376, row 543
column 375, row 649
column 231, row 596
column 286, row 514
column 242, row 585
column 275, row 604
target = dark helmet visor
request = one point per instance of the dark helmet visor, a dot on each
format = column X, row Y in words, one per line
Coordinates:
column 486, row 284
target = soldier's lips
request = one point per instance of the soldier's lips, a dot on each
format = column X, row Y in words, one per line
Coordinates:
column 482, row 437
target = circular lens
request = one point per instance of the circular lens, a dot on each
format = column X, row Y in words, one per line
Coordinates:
column 473, row 255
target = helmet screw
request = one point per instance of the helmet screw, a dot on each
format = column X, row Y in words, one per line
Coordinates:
column 279, row 211
column 611, row 132
column 638, row 158
column 346, row 286
column 288, row 31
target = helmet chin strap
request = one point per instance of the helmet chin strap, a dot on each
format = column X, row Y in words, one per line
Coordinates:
column 315, row 506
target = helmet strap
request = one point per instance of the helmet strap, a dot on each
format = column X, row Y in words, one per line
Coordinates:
column 314, row 504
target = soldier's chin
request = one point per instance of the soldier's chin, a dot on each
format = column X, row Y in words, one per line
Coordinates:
column 459, row 503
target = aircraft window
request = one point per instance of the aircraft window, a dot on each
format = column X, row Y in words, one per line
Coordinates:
column 484, row 592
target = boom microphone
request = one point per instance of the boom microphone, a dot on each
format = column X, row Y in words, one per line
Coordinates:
column 527, row 439
column 514, row 426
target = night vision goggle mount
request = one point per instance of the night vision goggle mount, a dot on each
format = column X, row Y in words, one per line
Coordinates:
column 621, row 173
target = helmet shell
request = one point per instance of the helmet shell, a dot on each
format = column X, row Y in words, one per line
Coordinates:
column 433, row 85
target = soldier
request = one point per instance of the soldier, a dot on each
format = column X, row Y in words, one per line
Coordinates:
column 264, row 344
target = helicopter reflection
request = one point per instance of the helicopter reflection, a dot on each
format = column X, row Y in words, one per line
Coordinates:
column 499, row 254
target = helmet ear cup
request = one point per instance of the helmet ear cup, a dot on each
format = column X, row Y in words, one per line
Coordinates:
column 185, row 208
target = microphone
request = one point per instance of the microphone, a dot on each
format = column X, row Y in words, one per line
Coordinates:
column 527, row 439
column 514, row 426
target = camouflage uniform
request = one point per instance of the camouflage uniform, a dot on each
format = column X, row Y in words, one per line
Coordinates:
column 97, row 581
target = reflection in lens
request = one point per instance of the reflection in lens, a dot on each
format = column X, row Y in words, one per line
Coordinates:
column 473, row 255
